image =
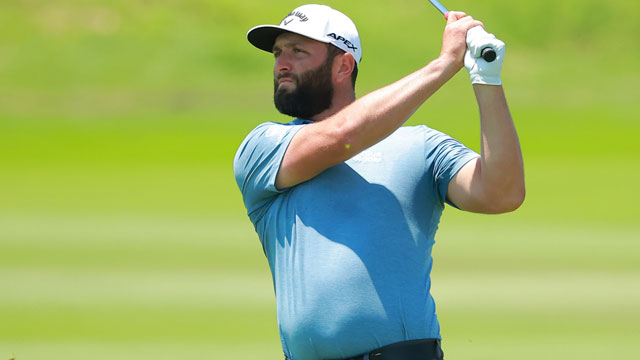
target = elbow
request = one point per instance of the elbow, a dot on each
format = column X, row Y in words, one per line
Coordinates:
column 508, row 201
column 513, row 202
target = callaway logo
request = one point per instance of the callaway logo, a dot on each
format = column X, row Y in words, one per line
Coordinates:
column 345, row 41
column 297, row 14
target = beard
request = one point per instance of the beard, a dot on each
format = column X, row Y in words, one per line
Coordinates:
column 311, row 96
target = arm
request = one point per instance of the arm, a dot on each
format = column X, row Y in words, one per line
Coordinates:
column 493, row 183
column 373, row 117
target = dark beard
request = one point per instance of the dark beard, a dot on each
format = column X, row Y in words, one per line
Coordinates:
column 312, row 95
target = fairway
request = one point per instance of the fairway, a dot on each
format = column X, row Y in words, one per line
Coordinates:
column 159, row 288
column 123, row 234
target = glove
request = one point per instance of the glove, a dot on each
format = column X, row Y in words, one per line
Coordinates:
column 481, row 71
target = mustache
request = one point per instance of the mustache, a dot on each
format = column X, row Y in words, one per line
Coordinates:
column 286, row 75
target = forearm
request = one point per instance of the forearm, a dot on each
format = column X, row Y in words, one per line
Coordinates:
column 502, row 172
column 379, row 113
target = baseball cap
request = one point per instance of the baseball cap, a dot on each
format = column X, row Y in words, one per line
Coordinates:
column 318, row 22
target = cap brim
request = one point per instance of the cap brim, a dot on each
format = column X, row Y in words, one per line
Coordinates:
column 264, row 36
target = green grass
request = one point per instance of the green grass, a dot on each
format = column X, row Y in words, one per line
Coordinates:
column 162, row 287
column 123, row 234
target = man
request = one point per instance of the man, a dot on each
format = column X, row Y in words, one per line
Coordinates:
column 346, row 202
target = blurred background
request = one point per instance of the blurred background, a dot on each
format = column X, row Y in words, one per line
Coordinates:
column 123, row 234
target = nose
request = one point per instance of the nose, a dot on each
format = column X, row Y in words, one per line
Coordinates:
column 282, row 64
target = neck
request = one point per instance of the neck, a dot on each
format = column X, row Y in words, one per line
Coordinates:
column 341, row 99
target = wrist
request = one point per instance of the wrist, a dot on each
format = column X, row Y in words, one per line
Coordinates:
column 477, row 79
column 447, row 64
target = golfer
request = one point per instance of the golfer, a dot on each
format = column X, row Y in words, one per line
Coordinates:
column 346, row 202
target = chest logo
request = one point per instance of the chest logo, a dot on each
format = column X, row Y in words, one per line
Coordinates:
column 368, row 156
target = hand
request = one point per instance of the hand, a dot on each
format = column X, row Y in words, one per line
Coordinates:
column 481, row 71
column 454, row 38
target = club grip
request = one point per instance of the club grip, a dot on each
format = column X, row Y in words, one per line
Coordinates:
column 488, row 54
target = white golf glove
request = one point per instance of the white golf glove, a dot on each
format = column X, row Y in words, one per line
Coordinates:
column 481, row 71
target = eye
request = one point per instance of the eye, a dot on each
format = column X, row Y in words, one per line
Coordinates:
column 298, row 51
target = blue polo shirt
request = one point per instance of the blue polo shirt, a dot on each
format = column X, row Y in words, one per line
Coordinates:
column 350, row 249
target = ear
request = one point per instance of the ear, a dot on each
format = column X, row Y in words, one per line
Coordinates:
column 343, row 66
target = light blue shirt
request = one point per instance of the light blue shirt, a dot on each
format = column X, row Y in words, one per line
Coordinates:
column 350, row 249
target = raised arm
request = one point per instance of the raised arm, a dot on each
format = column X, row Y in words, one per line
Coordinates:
column 366, row 121
column 494, row 183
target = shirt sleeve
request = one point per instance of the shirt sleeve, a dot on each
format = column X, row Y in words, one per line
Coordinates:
column 445, row 157
column 257, row 162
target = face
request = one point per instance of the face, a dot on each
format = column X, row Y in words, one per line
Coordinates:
column 302, row 76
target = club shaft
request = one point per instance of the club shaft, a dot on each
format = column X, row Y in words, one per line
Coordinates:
column 439, row 6
column 488, row 53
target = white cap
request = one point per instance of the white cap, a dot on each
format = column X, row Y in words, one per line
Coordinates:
column 318, row 22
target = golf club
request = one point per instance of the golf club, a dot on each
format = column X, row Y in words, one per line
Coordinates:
column 488, row 53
